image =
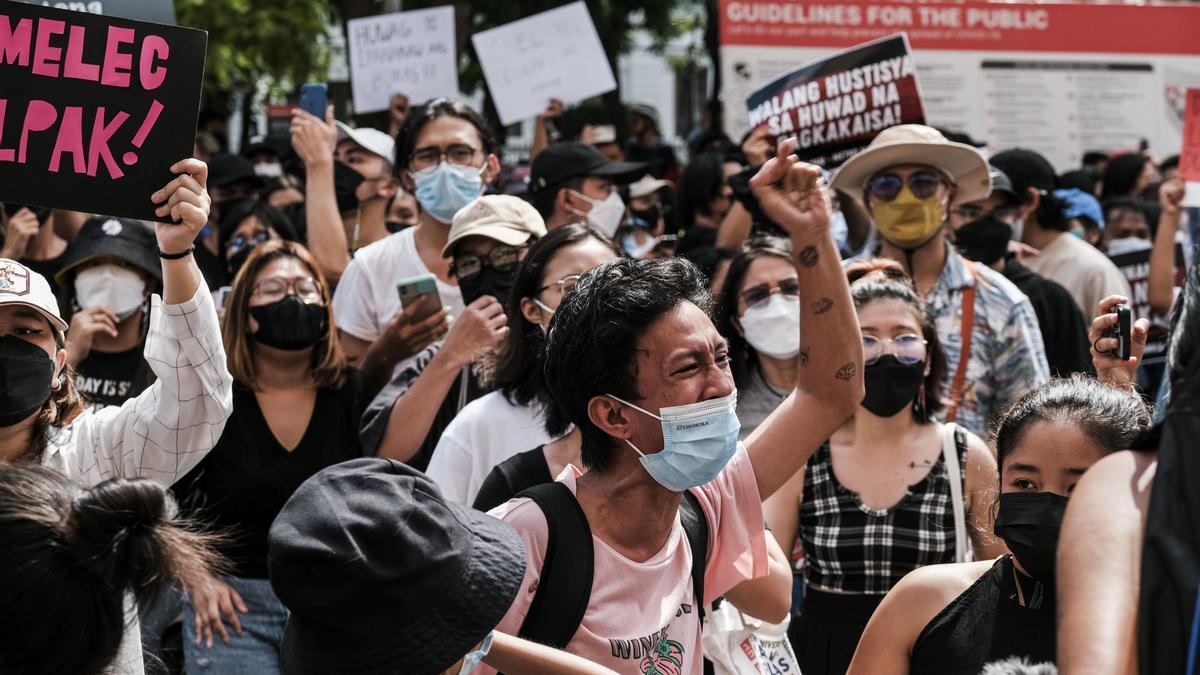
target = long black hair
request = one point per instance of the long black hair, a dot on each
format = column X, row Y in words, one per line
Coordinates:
column 742, row 357
column 882, row 279
column 699, row 185
column 80, row 551
column 1121, row 175
column 517, row 369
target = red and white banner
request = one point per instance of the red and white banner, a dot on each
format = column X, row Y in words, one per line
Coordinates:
column 1060, row 78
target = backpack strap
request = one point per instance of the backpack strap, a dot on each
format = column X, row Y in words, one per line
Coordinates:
column 695, row 524
column 565, row 584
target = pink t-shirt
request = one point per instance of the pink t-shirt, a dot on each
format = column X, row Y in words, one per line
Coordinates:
column 644, row 615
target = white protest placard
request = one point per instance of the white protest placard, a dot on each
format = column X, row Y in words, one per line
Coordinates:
column 555, row 54
column 410, row 53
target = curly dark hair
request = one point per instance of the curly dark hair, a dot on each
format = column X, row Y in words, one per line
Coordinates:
column 592, row 344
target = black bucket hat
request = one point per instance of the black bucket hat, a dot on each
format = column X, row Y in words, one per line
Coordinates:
column 130, row 241
column 383, row 575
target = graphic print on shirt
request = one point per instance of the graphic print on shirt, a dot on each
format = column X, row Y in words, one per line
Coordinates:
column 656, row 653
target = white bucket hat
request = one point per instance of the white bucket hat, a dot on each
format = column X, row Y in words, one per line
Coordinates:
column 917, row 144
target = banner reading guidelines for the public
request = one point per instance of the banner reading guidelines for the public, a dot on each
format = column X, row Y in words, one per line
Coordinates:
column 836, row 105
column 94, row 110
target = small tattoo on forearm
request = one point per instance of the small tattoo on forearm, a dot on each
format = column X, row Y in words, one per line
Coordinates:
column 808, row 256
column 804, row 356
column 821, row 306
column 846, row 372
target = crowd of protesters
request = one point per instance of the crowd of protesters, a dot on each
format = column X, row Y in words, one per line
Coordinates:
column 364, row 404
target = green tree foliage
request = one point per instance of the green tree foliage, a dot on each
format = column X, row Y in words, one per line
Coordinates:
column 252, row 41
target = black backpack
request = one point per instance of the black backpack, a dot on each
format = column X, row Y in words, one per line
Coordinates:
column 565, row 585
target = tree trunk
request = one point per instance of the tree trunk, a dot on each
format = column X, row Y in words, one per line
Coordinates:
column 712, row 41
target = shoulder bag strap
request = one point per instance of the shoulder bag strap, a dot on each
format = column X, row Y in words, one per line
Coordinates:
column 565, row 584
column 695, row 524
column 962, row 543
column 966, row 328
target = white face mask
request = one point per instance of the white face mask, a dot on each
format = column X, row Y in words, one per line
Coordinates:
column 636, row 250
column 1127, row 245
column 117, row 289
column 605, row 215
column 773, row 327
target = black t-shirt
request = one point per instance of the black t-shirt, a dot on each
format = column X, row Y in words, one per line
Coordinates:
column 111, row 378
column 508, row 478
column 1064, row 331
column 241, row 485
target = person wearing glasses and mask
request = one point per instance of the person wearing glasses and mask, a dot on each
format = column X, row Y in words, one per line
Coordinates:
column 758, row 312
column 981, row 231
column 892, row 489
column 445, row 154
column 297, row 406
column 909, row 178
column 488, row 240
column 513, row 418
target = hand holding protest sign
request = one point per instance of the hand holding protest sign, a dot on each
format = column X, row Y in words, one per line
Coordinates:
column 410, row 53
column 185, row 203
column 835, row 106
column 552, row 55
column 94, row 111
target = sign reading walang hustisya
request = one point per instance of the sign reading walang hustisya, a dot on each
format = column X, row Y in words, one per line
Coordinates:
column 94, row 110
column 836, row 105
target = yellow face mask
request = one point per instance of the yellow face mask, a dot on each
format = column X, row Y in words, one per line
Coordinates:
column 908, row 221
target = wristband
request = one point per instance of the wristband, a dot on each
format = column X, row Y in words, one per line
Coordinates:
column 176, row 256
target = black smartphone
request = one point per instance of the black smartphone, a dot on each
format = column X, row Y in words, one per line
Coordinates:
column 1122, row 331
column 314, row 99
column 42, row 213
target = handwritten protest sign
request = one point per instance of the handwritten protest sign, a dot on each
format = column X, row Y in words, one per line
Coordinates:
column 410, row 53
column 555, row 54
column 1189, row 157
column 94, row 110
column 158, row 11
column 836, row 105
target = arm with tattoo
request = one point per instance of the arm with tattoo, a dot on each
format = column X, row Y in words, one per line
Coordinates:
column 830, row 385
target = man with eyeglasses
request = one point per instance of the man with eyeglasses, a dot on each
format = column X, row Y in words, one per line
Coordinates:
column 574, row 183
column 445, row 154
column 488, row 239
column 910, row 178
column 982, row 232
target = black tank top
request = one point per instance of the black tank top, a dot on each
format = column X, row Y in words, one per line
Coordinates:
column 987, row 624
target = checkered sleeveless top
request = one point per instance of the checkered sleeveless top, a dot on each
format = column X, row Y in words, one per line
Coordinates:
column 850, row 548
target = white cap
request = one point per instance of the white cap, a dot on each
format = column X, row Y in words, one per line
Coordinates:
column 371, row 140
column 647, row 186
column 20, row 285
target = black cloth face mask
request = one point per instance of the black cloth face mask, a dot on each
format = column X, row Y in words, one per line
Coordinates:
column 345, row 186
column 488, row 282
column 984, row 240
column 289, row 324
column 1029, row 522
column 648, row 218
column 25, row 376
column 891, row 386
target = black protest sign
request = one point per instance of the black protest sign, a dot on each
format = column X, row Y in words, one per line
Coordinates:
column 835, row 106
column 158, row 11
column 94, row 110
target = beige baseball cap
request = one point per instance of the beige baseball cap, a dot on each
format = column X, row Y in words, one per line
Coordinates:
column 646, row 186
column 21, row 286
column 505, row 218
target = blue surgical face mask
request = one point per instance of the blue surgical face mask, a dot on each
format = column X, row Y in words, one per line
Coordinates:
column 699, row 439
column 444, row 189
